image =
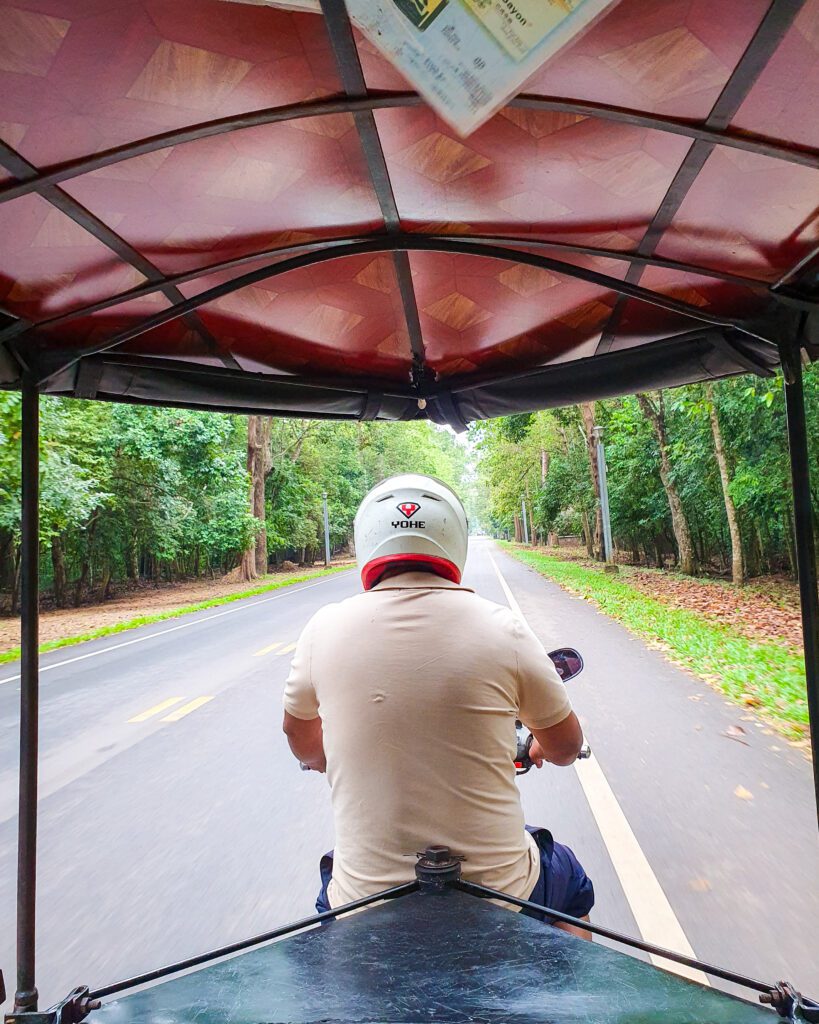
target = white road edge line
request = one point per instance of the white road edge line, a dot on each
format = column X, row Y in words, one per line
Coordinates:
column 649, row 904
column 161, row 632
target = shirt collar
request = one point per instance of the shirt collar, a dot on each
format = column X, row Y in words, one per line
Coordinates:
column 418, row 581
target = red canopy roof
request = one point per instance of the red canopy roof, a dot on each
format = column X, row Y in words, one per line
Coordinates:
column 234, row 206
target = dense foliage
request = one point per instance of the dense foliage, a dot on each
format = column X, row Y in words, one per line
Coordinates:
column 543, row 460
column 131, row 493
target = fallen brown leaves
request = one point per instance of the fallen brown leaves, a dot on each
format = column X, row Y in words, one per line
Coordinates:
column 765, row 609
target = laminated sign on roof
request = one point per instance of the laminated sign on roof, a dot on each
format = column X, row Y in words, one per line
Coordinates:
column 467, row 57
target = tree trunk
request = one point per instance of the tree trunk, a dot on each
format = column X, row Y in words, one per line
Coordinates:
column 787, row 525
column 132, row 560
column 15, row 582
column 105, row 584
column 6, row 562
column 737, row 563
column 587, row 534
column 58, row 564
column 259, row 464
column 682, row 531
column 544, row 465
column 587, row 412
column 85, row 567
column 518, row 530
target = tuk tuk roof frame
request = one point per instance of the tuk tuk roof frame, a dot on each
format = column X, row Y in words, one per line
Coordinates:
column 788, row 327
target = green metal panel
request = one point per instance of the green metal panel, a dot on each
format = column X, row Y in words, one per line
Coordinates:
column 431, row 958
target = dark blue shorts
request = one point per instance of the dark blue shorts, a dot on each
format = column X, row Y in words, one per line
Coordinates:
column 563, row 884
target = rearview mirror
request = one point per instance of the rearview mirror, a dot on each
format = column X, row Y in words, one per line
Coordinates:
column 568, row 662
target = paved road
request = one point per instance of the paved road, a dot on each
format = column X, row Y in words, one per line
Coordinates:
column 174, row 820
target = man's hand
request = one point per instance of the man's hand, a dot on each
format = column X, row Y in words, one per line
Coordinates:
column 306, row 740
column 536, row 755
column 559, row 744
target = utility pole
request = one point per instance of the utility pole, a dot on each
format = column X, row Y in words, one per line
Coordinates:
column 604, row 493
column 524, row 520
column 326, row 532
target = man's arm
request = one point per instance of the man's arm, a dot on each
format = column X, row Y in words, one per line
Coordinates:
column 306, row 740
column 544, row 705
column 560, row 744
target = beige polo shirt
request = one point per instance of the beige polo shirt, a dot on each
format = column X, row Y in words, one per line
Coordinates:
column 418, row 683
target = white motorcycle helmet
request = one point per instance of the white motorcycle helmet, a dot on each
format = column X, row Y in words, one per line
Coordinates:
column 414, row 519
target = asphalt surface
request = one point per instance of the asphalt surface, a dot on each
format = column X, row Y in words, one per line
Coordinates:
column 173, row 818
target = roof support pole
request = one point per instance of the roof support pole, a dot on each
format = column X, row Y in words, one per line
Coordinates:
column 25, row 998
column 803, row 536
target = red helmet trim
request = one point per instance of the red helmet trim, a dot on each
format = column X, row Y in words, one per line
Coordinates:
column 373, row 570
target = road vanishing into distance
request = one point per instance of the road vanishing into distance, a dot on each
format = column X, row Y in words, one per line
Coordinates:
column 173, row 818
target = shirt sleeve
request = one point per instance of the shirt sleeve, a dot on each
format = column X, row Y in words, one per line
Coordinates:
column 542, row 697
column 300, row 699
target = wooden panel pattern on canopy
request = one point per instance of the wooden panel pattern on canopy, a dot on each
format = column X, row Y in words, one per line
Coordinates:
column 254, row 252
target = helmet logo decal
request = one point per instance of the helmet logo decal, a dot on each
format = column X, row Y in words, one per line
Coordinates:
column 408, row 509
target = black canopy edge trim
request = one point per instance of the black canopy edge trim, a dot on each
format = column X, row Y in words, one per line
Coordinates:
column 750, row 142
column 75, row 211
column 717, row 337
column 363, row 386
column 672, row 362
column 372, row 406
column 260, row 410
column 22, row 326
column 763, row 44
column 425, row 244
column 447, row 404
column 669, row 362
column 224, row 390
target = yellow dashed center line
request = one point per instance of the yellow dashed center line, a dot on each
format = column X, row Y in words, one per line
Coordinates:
column 145, row 715
column 287, row 650
column 267, row 650
column 186, row 709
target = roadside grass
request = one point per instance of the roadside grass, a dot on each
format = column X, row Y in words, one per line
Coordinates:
column 769, row 677
column 172, row 613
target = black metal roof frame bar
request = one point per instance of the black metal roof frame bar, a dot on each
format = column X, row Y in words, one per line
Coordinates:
column 747, row 141
column 69, row 207
column 396, row 892
column 25, row 997
column 415, row 243
column 802, row 267
column 342, row 41
column 769, row 34
column 23, row 326
column 790, row 356
column 15, row 330
column 484, row 892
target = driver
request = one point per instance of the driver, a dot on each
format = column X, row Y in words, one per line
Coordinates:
column 407, row 695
